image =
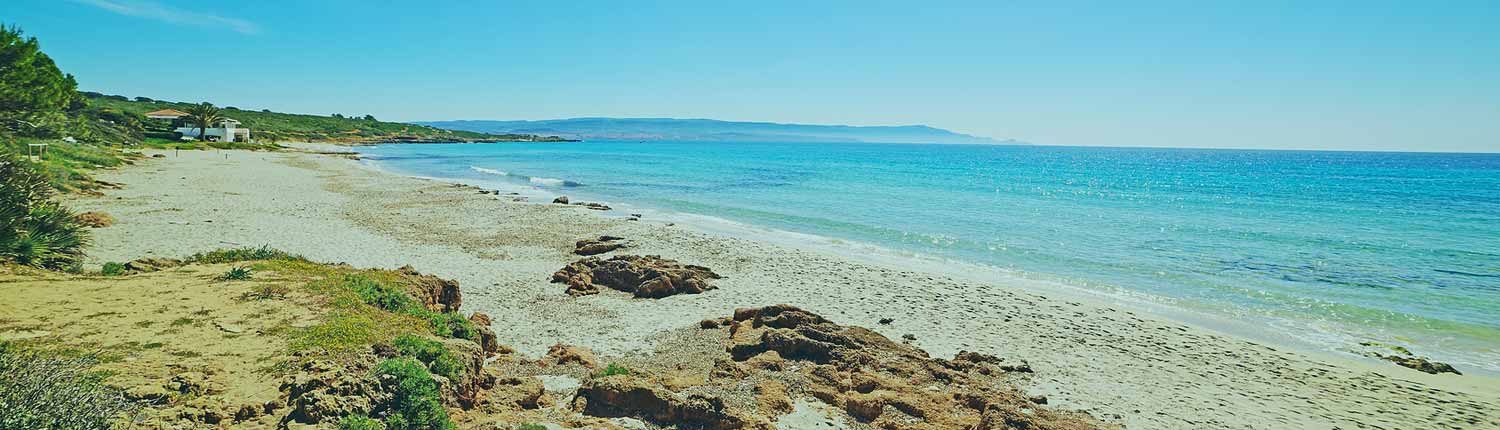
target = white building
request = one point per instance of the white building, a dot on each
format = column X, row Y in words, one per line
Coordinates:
column 227, row 130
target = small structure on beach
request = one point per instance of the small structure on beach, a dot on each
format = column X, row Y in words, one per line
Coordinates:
column 226, row 130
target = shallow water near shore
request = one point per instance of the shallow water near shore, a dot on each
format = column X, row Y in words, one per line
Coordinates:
column 1328, row 248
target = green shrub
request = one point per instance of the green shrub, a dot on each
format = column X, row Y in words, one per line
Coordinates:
column 380, row 295
column 415, row 404
column 112, row 269
column 394, row 299
column 63, row 393
column 237, row 273
column 34, row 230
column 437, row 357
column 614, row 369
column 360, row 422
column 237, row 255
column 449, row 324
column 531, row 426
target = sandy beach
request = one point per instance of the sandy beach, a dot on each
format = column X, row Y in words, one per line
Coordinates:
column 1124, row 366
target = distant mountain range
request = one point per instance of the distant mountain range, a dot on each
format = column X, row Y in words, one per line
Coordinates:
column 714, row 130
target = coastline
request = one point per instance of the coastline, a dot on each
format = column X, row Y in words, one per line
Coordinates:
column 1118, row 364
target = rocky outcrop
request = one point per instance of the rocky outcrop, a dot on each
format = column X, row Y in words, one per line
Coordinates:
column 437, row 294
column 468, row 388
column 883, row 383
column 594, row 206
column 597, row 246
column 325, row 391
column 562, row 200
column 487, row 339
column 562, row 355
column 636, row 396
column 644, row 276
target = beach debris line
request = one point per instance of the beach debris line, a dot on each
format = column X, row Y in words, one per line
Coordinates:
column 1405, row 358
column 598, row 246
column 647, row 276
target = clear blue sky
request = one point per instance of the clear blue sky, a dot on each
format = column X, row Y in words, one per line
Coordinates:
column 1402, row 75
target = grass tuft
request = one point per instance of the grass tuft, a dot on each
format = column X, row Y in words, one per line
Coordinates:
column 614, row 369
column 112, row 269
column 360, row 422
column 237, row 273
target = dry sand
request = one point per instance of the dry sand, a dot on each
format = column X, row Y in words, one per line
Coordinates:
column 1121, row 365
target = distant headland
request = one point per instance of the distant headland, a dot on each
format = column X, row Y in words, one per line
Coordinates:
column 715, row 130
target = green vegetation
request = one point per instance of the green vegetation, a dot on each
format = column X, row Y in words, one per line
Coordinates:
column 360, row 422
column 379, row 295
column 237, row 255
column 437, row 357
column 205, row 115
column 392, row 298
column 614, row 369
column 267, row 126
column 65, row 165
column 35, row 96
column 415, row 404
column 35, row 230
column 57, row 391
column 531, row 426
column 237, row 273
column 112, row 269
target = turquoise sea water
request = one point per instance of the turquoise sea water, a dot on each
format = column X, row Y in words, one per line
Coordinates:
column 1330, row 247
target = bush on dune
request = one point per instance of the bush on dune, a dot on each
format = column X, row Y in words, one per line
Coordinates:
column 415, row 405
column 34, row 230
column 237, row 255
column 437, row 357
column 39, row 392
column 360, row 422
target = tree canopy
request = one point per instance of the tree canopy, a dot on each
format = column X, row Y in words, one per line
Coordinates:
column 31, row 85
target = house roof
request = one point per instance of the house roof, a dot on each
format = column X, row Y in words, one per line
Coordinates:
column 167, row 112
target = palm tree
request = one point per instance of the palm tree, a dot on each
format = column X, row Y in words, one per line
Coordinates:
column 204, row 114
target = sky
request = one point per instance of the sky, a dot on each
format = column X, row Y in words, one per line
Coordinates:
column 1366, row 75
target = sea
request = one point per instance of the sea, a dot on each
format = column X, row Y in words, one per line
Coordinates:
column 1317, row 249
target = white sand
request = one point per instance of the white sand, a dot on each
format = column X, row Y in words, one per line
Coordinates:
column 1121, row 365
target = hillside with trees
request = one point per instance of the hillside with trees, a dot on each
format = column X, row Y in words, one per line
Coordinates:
column 267, row 126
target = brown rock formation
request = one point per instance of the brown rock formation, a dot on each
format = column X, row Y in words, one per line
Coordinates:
column 886, row 384
column 644, row 276
column 635, row 396
column 561, row 355
column 598, row 246
column 437, row 294
column 327, row 391
column 487, row 340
